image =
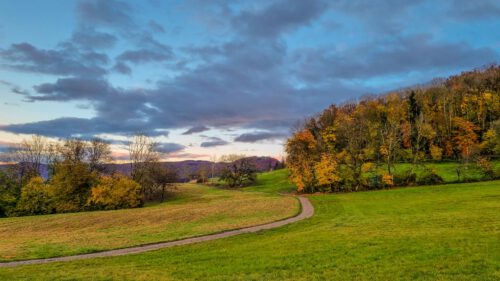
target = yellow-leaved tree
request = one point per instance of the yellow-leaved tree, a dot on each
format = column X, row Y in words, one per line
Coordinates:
column 326, row 172
column 115, row 192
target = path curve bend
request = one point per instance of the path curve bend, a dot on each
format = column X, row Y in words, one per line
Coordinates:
column 307, row 211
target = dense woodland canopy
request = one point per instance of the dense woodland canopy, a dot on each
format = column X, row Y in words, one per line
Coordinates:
column 356, row 145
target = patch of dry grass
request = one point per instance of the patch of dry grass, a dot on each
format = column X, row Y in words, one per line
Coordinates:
column 193, row 210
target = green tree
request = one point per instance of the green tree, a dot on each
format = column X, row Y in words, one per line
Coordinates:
column 238, row 171
column 9, row 191
column 36, row 198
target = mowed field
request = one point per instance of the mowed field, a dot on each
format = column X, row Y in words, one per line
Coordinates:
column 192, row 210
column 446, row 232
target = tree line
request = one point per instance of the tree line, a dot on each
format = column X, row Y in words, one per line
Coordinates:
column 356, row 145
column 78, row 177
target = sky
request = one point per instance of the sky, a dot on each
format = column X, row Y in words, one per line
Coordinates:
column 206, row 78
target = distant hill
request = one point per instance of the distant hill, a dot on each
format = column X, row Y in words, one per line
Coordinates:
column 189, row 168
column 186, row 169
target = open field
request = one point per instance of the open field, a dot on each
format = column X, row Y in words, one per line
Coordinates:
column 447, row 232
column 193, row 210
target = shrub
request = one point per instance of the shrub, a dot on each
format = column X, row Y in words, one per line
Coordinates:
column 115, row 192
column 486, row 168
column 388, row 180
column 429, row 177
column 36, row 198
column 408, row 177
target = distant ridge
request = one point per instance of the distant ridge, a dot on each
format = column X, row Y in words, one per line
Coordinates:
column 187, row 168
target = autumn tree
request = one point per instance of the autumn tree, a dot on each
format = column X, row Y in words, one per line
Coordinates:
column 114, row 192
column 326, row 172
column 301, row 152
column 452, row 119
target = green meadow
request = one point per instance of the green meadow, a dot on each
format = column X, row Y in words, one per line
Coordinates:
column 444, row 232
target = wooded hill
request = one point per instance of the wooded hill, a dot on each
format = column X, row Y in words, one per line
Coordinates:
column 356, row 145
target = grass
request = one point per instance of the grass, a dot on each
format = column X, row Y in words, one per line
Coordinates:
column 273, row 182
column 193, row 210
column 447, row 232
column 447, row 170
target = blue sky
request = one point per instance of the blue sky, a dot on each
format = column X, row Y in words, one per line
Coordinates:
column 217, row 77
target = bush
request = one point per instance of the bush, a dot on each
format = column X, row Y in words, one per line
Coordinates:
column 406, row 178
column 36, row 198
column 115, row 192
column 486, row 168
column 429, row 177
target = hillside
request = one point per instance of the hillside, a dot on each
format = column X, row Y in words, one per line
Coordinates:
column 447, row 232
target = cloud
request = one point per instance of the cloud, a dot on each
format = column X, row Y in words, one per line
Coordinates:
column 108, row 13
column 408, row 54
column 214, row 141
column 14, row 88
column 278, row 17
column 66, row 60
column 256, row 77
column 122, row 68
column 65, row 89
column 80, row 127
column 145, row 55
column 89, row 37
column 196, row 129
column 258, row 136
column 156, row 27
column 478, row 10
column 170, row 147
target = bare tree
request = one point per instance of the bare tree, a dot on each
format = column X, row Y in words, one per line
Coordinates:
column 213, row 163
column 30, row 156
column 143, row 158
column 99, row 153
column 73, row 151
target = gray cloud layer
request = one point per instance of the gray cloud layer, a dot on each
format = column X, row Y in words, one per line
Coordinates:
column 252, row 78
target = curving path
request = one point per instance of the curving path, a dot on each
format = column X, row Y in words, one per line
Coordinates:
column 307, row 212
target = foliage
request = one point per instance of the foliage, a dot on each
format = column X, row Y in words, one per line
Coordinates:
column 300, row 149
column 326, row 172
column 429, row 177
column 456, row 120
column 36, row 198
column 114, row 192
column 238, row 172
column 486, row 168
column 71, row 185
column 9, row 191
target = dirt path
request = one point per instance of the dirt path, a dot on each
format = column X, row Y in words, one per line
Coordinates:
column 307, row 211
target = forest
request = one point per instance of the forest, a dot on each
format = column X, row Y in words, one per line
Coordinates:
column 360, row 145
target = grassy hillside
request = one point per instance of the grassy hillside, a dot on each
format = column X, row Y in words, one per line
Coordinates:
column 192, row 210
column 273, row 182
column 449, row 232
